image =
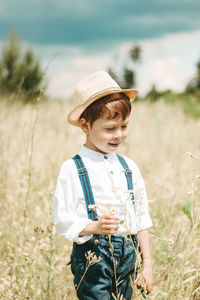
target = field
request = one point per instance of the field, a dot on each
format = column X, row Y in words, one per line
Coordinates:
column 34, row 141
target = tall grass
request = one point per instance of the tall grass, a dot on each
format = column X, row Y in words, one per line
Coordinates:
column 166, row 146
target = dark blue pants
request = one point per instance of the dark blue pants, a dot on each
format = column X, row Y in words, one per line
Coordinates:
column 99, row 280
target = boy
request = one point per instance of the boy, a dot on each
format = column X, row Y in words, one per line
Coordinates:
column 93, row 206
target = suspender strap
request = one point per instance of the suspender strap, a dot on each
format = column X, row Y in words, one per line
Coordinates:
column 86, row 186
column 128, row 174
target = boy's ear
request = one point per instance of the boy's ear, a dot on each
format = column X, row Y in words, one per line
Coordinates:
column 84, row 125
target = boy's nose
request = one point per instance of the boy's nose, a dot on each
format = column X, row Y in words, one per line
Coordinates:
column 118, row 134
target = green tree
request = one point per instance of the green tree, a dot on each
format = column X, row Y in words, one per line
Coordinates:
column 126, row 78
column 153, row 94
column 20, row 71
column 194, row 85
column 135, row 53
column 129, row 79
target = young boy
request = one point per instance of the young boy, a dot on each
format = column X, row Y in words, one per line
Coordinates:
column 100, row 201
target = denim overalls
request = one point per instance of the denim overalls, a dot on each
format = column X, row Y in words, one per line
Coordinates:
column 98, row 281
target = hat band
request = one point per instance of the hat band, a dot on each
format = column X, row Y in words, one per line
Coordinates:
column 104, row 91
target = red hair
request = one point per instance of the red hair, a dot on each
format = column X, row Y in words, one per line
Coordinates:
column 116, row 104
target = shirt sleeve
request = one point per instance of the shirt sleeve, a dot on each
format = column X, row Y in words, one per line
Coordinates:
column 67, row 221
column 143, row 219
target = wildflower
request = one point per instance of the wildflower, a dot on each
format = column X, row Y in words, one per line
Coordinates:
column 92, row 258
column 92, row 207
column 190, row 192
column 111, row 248
column 192, row 155
column 112, row 211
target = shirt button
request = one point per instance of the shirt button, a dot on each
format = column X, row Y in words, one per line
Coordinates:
column 106, row 157
column 96, row 242
column 111, row 172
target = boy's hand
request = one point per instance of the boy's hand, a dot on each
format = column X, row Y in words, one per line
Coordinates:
column 107, row 224
column 146, row 278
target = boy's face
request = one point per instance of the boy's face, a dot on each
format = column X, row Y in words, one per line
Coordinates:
column 106, row 134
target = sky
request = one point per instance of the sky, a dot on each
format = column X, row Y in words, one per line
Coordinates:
column 91, row 35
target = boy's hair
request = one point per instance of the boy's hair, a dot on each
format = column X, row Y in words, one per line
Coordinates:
column 116, row 104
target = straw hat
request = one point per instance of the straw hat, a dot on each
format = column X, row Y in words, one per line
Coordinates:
column 90, row 89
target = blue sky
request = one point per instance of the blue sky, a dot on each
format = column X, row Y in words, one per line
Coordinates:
column 87, row 32
column 103, row 21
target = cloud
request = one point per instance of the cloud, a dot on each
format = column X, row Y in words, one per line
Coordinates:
column 62, row 81
column 168, row 62
column 163, row 70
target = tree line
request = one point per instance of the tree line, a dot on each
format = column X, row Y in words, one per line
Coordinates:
column 21, row 73
column 20, row 70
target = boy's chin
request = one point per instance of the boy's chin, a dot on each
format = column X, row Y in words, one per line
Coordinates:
column 109, row 149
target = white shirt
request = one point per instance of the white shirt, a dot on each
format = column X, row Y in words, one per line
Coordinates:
column 109, row 186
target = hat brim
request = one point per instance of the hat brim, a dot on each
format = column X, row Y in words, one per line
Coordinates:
column 74, row 115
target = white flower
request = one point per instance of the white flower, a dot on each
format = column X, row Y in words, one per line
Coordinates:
column 192, row 155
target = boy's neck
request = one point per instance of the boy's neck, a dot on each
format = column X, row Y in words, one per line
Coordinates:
column 96, row 151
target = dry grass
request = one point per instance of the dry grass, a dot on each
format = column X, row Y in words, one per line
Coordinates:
column 33, row 257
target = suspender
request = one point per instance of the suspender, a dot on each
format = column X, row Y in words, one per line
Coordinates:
column 128, row 174
column 86, row 186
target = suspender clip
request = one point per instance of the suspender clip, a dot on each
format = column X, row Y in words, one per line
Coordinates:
column 82, row 171
column 128, row 172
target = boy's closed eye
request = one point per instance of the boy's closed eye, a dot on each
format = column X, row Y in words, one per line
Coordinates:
column 113, row 128
column 110, row 128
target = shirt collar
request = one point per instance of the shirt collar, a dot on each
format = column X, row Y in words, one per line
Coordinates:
column 86, row 152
